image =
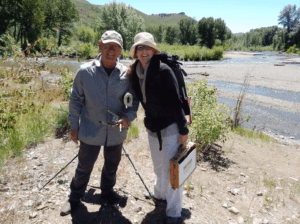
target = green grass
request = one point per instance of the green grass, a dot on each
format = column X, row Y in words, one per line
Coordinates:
column 269, row 182
column 29, row 129
column 295, row 189
column 61, row 118
column 192, row 53
column 253, row 134
column 133, row 131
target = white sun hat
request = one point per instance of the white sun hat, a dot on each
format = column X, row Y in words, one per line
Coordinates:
column 143, row 38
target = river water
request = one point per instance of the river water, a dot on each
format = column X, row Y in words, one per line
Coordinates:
column 262, row 118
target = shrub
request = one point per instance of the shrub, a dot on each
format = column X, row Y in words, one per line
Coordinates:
column 125, row 54
column 209, row 117
column 7, row 45
column 86, row 50
column 193, row 53
column 66, row 82
column 293, row 49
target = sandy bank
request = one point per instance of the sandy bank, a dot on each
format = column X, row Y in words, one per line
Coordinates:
column 269, row 76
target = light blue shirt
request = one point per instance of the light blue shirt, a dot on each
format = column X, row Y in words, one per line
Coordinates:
column 93, row 93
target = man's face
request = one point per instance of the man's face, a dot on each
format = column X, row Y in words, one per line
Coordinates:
column 110, row 52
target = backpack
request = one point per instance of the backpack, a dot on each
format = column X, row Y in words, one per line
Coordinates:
column 174, row 64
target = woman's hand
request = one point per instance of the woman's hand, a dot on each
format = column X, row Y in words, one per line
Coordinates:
column 183, row 140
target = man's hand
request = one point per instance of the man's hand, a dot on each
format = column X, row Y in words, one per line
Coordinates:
column 183, row 139
column 74, row 135
column 124, row 122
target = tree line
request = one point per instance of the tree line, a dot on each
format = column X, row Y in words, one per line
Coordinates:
column 274, row 37
column 124, row 19
column 28, row 20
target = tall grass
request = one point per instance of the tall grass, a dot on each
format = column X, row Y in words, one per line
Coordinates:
column 193, row 53
column 185, row 52
column 29, row 129
column 253, row 134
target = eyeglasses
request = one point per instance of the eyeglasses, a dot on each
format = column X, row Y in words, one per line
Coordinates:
column 111, row 47
column 140, row 48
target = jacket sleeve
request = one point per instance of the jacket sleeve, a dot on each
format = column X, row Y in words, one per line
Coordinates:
column 76, row 102
column 171, row 92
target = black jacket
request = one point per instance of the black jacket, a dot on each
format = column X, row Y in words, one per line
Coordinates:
column 163, row 105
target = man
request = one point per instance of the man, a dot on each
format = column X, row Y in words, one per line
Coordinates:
column 98, row 90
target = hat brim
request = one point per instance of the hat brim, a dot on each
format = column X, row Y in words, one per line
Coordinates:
column 111, row 41
column 148, row 43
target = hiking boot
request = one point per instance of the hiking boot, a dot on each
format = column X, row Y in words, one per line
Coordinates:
column 111, row 196
column 68, row 207
column 173, row 220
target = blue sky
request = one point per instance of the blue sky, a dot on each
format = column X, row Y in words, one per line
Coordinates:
column 239, row 16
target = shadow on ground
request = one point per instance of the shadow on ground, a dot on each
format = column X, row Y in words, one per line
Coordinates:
column 214, row 154
column 107, row 213
column 159, row 213
column 110, row 214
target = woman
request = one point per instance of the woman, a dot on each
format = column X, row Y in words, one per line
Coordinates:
column 156, row 87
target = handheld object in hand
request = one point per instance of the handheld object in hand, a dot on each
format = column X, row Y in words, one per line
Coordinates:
column 182, row 165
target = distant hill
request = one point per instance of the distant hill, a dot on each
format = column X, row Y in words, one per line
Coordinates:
column 87, row 11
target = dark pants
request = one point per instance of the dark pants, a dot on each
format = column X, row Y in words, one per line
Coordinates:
column 87, row 157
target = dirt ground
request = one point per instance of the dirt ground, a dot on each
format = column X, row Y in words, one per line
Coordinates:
column 242, row 181
column 261, row 180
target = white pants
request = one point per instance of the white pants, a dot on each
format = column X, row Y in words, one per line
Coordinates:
column 162, row 187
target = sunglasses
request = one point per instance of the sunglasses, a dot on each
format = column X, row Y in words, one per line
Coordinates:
column 140, row 48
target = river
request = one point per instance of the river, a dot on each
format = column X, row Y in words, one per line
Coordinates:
column 278, row 122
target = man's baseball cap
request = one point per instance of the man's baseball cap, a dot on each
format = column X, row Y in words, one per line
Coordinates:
column 112, row 36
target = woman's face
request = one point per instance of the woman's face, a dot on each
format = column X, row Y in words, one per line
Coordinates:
column 144, row 53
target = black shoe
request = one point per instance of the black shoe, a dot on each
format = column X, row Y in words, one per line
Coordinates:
column 111, row 196
column 173, row 220
column 68, row 207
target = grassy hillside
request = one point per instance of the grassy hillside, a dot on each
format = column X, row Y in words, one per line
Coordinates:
column 87, row 11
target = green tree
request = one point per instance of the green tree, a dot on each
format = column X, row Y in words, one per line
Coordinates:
column 85, row 34
column 158, row 33
column 5, row 15
column 31, row 21
column 171, row 34
column 50, row 13
column 122, row 19
column 279, row 40
column 289, row 17
column 187, row 31
column 294, row 36
column 66, row 15
column 220, row 29
column 206, row 32
column 268, row 34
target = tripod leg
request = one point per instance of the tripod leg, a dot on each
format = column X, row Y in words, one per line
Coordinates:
column 136, row 171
